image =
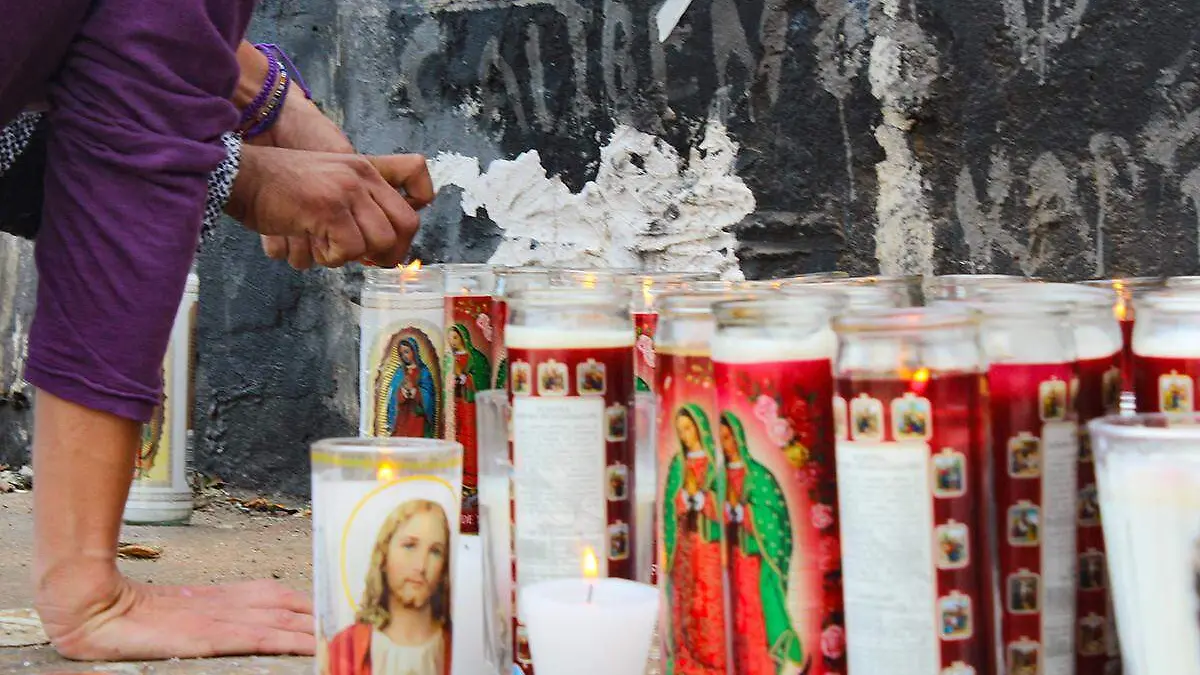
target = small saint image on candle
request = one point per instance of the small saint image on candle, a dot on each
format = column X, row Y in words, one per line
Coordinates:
column 616, row 419
column 1024, row 592
column 591, row 379
column 1092, row 571
column 949, row 474
column 1175, row 393
column 912, row 418
column 618, row 541
column 957, row 622
column 1093, row 639
column 1024, row 524
column 866, row 414
column 618, row 483
column 552, row 378
column 1023, row 657
column 1112, row 388
column 521, row 379
column 1025, row 456
column 953, row 546
column 1053, row 397
column 1089, row 506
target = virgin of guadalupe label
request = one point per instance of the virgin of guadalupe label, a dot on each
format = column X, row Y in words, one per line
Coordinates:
column 691, row 518
column 403, row 375
column 468, row 371
column 910, row 463
column 384, row 568
column 775, row 433
column 573, row 459
column 645, row 325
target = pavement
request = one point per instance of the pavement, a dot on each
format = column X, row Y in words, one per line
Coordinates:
column 224, row 543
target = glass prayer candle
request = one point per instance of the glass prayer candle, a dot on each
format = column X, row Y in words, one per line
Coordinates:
column 571, row 382
column 566, row 277
column 1095, row 392
column 694, row 625
column 1149, row 475
column 911, row 466
column 160, row 493
column 510, row 280
column 645, row 289
column 385, row 544
column 772, row 364
column 965, row 286
column 402, row 324
column 1035, row 439
column 495, row 529
column 1166, row 351
column 468, row 368
column 1129, row 293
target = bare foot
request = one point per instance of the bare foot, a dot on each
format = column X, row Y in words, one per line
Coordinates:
column 95, row 614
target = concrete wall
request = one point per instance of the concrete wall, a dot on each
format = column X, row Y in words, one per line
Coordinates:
column 1059, row 138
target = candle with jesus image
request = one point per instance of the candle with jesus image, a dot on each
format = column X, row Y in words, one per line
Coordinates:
column 772, row 367
column 385, row 545
column 571, row 382
column 401, row 386
column 911, row 462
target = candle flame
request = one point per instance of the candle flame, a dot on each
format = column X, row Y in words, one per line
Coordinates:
column 591, row 566
column 589, row 280
column 386, row 473
column 466, row 291
column 1120, row 310
column 921, row 376
column 647, row 297
column 414, row 266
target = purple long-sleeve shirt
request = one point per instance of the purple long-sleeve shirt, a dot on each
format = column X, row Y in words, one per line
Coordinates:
column 138, row 92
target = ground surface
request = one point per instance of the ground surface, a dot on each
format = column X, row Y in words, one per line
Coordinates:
column 223, row 544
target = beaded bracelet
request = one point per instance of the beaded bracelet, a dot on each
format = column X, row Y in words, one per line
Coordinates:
column 264, row 110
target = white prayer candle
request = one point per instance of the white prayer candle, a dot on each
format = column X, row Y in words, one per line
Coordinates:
column 1148, row 468
column 160, row 493
column 589, row 626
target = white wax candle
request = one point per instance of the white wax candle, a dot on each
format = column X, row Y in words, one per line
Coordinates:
column 1151, row 506
column 589, row 627
column 750, row 345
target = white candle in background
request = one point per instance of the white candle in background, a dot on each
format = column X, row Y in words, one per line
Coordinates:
column 1149, row 480
column 589, row 626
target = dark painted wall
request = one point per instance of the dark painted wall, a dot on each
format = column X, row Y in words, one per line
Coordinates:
column 1052, row 138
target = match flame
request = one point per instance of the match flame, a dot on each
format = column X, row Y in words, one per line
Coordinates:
column 386, row 473
column 591, row 566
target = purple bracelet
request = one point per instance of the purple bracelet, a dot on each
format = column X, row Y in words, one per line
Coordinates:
column 269, row 114
column 252, row 111
column 274, row 53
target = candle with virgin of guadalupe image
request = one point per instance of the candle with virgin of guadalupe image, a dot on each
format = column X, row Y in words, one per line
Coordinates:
column 772, row 362
column 401, row 382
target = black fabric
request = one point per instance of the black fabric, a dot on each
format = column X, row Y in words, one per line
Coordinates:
column 22, row 187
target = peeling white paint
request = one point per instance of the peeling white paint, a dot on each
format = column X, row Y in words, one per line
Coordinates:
column 644, row 209
column 903, row 66
column 1058, row 22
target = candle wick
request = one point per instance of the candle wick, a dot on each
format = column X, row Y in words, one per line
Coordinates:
column 591, row 590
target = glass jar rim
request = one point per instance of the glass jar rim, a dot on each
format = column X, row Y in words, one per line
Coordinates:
column 1074, row 296
column 907, row 319
column 1178, row 299
column 1148, row 426
column 522, row 270
column 574, row 298
column 1118, row 283
column 994, row 307
column 684, row 303
column 385, row 446
column 773, row 307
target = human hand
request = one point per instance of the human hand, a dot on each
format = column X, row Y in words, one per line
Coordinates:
column 344, row 206
column 301, row 126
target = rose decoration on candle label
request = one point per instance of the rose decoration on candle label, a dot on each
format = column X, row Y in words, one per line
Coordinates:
column 485, row 326
column 645, row 347
column 822, row 516
column 766, row 408
column 833, row 642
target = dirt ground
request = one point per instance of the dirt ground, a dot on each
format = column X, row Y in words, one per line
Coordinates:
column 223, row 544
